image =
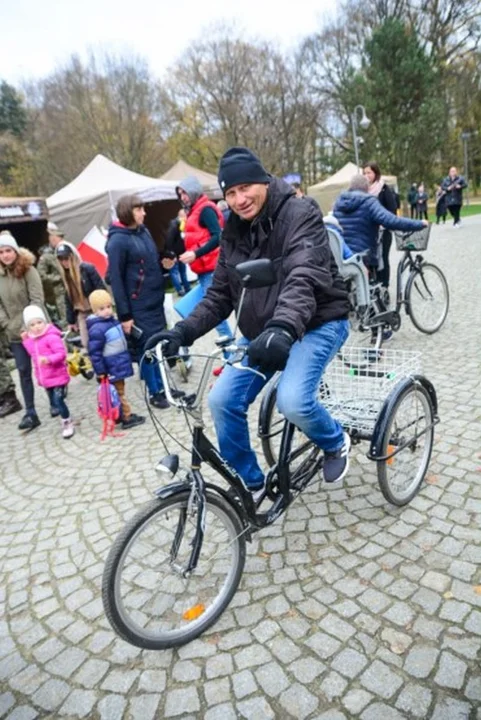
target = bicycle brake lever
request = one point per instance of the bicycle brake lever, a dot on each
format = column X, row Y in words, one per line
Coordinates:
column 249, row 369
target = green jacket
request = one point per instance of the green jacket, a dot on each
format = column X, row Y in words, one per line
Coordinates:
column 48, row 269
column 19, row 286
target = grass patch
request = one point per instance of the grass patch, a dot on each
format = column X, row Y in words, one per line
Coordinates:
column 474, row 208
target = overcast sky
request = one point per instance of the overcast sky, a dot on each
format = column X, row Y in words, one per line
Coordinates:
column 38, row 36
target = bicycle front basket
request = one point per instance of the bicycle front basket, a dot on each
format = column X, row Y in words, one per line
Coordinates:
column 415, row 240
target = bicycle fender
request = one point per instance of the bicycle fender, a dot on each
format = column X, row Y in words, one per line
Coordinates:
column 172, row 489
column 383, row 417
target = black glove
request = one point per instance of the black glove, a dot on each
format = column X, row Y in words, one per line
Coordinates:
column 175, row 338
column 270, row 350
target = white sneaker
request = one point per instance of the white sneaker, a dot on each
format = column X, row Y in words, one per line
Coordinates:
column 67, row 429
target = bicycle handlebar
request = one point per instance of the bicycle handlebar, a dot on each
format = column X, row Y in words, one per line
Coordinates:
column 237, row 352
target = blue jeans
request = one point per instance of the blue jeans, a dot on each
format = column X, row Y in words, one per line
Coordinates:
column 205, row 281
column 178, row 275
column 56, row 396
column 297, row 400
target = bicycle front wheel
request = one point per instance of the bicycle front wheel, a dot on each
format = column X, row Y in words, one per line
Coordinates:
column 427, row 298
column 410, row 432
column 148, row 598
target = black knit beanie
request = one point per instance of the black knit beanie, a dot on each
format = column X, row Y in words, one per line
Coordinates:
column 239, row 165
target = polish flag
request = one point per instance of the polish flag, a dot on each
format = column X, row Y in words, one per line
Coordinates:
column 92, row 250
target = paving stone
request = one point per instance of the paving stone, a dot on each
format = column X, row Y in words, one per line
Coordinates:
column 255, row 709
column 428, row 628
column 436, row 581
column 251, row 656
column 462, row 570
column 23, row 712
column 92, row 672
column 51, row 695
column 467, row 646
column 284, row 649
column 454, row 611
column 381, row 680
column 451, row 709
column 473, row 623
column 272, row 679
column 415, row 700
column 306, row 669
column 226, row 711
column 120, row 681
column 333, row 686
column 79, row 703
column 349, row 662
column 298, row 701
column 421, row 660
column 451, row 671
column 244, row 684
column 356, row 700
column 380, row 711
column 6, row 702
column 427, row 599
column 144, row 707
column 111, row 707
column 399, row 613
column 66, row 662
column 331, row 715
column 181, row 701
column 217, row 691
column 337, row 627
column 323, row 645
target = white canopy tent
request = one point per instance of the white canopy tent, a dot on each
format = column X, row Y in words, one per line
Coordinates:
column 181, row 170
column 90, row 198
column 327, row 191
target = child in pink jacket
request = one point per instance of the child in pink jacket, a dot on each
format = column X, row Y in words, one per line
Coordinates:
column 43, row 342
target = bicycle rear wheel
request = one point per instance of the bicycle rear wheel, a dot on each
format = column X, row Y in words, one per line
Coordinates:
column 409, row 429
column 427, row 298
column 147, row 598
column 305, row 458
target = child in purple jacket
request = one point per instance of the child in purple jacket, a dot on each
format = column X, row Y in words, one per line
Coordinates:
column 43, row 342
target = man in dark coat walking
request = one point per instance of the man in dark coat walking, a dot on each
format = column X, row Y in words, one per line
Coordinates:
column 296, row 325
column 453, row 185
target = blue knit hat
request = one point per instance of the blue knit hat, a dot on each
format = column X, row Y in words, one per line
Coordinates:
column 240, row 166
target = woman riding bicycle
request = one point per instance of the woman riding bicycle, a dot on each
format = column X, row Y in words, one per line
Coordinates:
column 298, row 324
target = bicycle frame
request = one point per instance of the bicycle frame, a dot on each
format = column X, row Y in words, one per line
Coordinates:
column 407, row 263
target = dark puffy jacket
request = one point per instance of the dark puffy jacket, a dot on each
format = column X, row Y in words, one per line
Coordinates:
column 309, row 290
column 360, row 215
column 454, row 195
column 136, row 277
column 108, row 348
column 90, row 281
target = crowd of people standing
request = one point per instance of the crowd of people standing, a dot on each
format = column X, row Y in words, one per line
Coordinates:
column 448, row 197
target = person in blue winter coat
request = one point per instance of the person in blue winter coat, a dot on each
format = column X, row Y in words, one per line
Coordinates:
column 109, row 352
column 137, row 282
column 361, row 215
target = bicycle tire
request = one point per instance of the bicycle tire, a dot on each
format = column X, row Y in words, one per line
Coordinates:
column 176, row 602
column 398, row 483
column 271, row 425
column 420, row 297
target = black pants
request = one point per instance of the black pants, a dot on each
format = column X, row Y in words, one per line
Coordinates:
column 455, row 210
column 24, row 367
column 413, row 211
column 384, row 275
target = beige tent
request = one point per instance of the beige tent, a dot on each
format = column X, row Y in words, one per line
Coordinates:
column 327, row 191
column 90, row 199
column 181, row 170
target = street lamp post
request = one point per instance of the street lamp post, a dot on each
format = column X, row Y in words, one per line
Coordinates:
column 364, row 123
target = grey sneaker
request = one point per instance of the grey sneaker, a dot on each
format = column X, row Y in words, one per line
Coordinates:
column 336, row 464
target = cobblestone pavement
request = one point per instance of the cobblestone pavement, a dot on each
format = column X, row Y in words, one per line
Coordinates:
column 348, row 608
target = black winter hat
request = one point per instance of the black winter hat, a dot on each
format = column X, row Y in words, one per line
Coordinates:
column 239, row 165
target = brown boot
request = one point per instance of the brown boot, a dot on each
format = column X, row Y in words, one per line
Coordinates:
column 9, row 404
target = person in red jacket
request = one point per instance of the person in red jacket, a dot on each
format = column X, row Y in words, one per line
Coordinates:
column 202, row 230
